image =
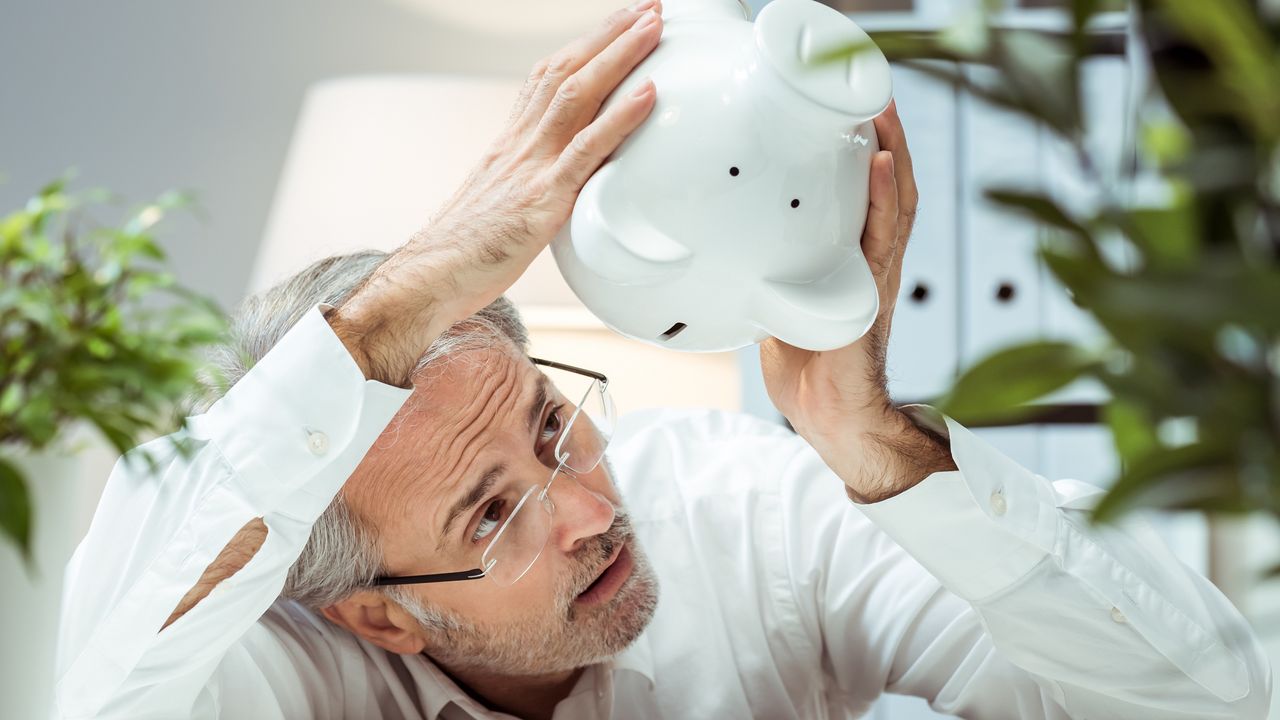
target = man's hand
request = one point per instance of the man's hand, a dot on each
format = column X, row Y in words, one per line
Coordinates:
column 512, row 204
column 838, row 400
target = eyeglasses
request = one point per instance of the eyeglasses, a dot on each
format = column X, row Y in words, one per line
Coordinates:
column 524, row 529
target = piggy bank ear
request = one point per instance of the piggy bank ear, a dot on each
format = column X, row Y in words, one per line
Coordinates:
column 793, row 34
column 608, row 236
column 822, row 315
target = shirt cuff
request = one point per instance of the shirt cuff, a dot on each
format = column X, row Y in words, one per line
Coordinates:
column 978, row 529
column 302, row 409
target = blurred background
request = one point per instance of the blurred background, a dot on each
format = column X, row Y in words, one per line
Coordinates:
column 307, row 128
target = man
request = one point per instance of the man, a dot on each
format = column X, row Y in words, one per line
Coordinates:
column 395, row 513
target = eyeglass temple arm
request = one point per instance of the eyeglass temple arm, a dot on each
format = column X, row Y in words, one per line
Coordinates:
column 581, row 371
column 473, row 574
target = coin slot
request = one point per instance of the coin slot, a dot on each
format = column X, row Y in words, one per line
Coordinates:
column 672, row 331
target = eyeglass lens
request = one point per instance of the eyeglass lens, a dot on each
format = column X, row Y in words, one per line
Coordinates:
column 581, row 445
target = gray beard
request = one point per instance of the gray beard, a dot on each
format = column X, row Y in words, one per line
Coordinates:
column 562, row 640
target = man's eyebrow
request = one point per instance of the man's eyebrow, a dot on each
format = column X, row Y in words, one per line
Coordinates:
column 490, row 477
column 472, row 498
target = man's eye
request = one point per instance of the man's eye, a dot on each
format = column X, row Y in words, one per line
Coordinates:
column 553, row 425
column 493, row 516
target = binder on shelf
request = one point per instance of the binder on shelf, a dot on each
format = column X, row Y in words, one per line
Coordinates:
column 1000, row 286
column 925, row 338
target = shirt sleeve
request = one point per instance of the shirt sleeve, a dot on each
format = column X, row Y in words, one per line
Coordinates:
column 987, row 592
column 279, row 445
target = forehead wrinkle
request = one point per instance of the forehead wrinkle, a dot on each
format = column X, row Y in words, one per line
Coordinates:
column 452, row 443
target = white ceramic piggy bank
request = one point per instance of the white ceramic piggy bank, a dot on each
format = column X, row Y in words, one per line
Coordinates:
column 734, row 212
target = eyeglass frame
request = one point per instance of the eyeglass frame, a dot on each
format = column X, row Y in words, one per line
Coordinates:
column 478, row 573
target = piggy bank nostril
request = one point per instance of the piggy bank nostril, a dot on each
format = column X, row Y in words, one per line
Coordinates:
column 733, row 171
column 795, row 203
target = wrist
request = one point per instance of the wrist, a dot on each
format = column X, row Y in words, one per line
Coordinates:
column 877, row 460
column 389, row 322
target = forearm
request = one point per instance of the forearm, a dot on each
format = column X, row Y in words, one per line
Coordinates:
column 200, row 545
column 1061, row 598
column 233, row 557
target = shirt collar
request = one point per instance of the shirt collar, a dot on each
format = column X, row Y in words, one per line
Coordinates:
column 637, row 658
column 438, row 690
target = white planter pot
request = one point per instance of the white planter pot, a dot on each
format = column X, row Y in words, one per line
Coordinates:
column 64, row 486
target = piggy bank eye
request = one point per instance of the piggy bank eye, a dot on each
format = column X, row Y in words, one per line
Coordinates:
column 795, row 203
column 733, row 171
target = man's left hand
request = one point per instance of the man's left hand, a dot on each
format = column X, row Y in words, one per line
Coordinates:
column 838, row 400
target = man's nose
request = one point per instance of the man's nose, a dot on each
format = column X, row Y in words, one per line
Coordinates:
column 581, row 513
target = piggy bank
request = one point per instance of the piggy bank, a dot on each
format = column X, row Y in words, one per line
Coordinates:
column 735, row 211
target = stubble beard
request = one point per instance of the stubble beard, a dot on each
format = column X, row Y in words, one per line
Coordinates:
column 565, row 638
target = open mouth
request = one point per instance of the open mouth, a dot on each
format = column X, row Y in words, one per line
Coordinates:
column 610, row 580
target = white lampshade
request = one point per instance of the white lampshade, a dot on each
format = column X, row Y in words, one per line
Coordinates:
column 518, row 17
column 373, row 157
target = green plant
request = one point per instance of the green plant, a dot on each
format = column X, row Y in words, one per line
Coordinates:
column 1191, row 309
column 92, row 329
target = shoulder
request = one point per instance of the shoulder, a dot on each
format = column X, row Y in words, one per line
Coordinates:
column 695, row 428
column 671, row 456
column 304, row 664
column 313, row 649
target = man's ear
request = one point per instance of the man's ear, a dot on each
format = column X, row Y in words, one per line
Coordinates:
column 380, row 620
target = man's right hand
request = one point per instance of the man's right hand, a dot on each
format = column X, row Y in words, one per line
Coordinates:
column 513, row 203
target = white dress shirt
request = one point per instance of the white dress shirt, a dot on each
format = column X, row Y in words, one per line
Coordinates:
column 984, row 590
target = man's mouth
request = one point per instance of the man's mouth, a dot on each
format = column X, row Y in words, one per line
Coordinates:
column 606, row 585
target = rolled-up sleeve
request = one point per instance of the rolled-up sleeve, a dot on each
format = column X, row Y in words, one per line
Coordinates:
column 279, row 446
column 1007, row 602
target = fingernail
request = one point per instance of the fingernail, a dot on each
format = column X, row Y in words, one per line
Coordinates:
column 643, row 5
column 645, row 20
column 643, row 89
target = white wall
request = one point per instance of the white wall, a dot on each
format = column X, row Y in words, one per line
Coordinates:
column 147, row 96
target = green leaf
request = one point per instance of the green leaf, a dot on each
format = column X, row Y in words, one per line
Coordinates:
column 1166, row 236
column 1001, row 385
column 1196, row 475
column 1131, row 429
column 999, row 95
column 1231, row 34
column 894, row 44
column 968, row 34
column 13, row 227
column 56, row 187
column 1166, row 142
column 94, row 327
column 1041, row 207
column 11, row 399
column 15, row 509
column 1040, row 70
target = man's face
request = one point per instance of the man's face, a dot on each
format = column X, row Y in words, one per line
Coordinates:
column 491, row 417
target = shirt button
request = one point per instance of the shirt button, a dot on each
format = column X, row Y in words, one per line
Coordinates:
column 317, row 442
column 1117, row 615
column 998, row 504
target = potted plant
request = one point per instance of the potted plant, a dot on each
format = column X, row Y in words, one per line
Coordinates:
column 98, row 351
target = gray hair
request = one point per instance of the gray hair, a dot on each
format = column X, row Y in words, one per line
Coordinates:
column 342, row 554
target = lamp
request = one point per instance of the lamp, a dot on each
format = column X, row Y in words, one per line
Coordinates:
column 517, row 17
column 373, row 157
